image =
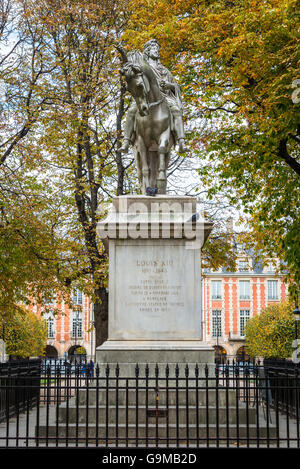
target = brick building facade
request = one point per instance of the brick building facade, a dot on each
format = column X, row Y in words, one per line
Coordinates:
column 229, row 299
column 69, row 329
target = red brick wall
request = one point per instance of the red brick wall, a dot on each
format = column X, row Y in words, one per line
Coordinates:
column 258, row 286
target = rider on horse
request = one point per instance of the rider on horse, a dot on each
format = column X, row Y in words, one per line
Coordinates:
column 170, row 91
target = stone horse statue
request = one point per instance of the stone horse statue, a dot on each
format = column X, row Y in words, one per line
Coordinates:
column 153, row 136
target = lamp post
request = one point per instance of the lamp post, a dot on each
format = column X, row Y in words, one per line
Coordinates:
column 76, row 325
column 3, row 341
column 297, row 318
column 93, row 353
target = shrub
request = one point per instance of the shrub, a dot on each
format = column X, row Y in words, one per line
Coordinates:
column 25, row 335
column 270, row 334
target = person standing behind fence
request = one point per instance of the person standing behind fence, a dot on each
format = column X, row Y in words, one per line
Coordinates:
column 91, row 369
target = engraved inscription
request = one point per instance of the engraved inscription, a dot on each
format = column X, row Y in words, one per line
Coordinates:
column 153, row 293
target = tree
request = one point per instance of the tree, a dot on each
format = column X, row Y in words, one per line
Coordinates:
column 271, row 333
column 32, row 242
column 60, row 139
column 80, row 351
column 82, row 96
column 21, row 73
column 25, row 335
column 33, row 247
column 237, row 63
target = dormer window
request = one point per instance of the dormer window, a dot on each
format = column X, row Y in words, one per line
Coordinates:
column 270, row 267
column 243, row 265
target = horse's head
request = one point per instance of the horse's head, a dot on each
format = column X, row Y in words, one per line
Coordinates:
column 137, row 85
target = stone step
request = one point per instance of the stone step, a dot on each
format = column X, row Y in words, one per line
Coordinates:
column 152, row 431
column 73, row 414
column 204, row 397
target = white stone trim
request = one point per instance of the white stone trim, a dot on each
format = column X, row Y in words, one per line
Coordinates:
column 258, row 295
column 230, row 306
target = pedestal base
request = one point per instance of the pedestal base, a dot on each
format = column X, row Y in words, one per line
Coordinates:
column 129, row 353
column 154, row 246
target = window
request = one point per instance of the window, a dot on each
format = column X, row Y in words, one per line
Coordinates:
column 244, row 316
column 272, row 290
column 50, row 300
column 243, row 265
column 77, row 297
column 50, row 325
column 216, row 289
column 270, row 267
column 244, row 289
column 77, row 324
column 216, row 323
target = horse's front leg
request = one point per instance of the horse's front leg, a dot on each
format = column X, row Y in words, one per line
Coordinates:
column 161, row 177
column 162, row 154
column 144, row 164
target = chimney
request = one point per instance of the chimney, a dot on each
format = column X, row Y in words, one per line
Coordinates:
column 229, row 225
column 229, row 229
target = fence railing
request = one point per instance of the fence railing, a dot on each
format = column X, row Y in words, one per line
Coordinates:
column 19, row 386
column 284, row 383
column 152, row 406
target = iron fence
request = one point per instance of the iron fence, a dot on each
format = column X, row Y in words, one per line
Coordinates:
column 283, row 377
column 19, row 386
column 152, row 406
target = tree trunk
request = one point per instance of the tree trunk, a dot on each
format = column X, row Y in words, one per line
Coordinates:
column 101, row 315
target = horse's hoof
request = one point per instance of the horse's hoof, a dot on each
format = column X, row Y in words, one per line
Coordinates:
column 161, row 185
column 162, row 149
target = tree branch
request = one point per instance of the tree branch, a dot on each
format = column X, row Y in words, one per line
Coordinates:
column 284, row 154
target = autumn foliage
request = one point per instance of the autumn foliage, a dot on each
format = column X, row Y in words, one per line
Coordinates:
column 237, row 63
column 25, row 335
column 271, row 333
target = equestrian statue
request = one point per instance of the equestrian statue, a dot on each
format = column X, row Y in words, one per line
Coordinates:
column 154, row 121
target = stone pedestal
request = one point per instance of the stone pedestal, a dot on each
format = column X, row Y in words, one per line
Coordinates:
column 154, row 246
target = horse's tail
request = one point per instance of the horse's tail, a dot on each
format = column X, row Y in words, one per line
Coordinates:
column 138, row 164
